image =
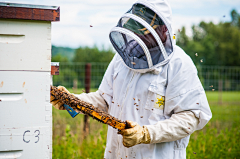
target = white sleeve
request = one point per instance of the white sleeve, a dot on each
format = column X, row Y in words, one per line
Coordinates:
column 106, row 86
column 94, row 98
column 180, row 125
column 184, row 91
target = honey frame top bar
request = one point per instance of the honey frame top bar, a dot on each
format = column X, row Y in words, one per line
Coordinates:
column 29, row 12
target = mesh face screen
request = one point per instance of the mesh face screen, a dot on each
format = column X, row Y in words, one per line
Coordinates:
column 130, row 50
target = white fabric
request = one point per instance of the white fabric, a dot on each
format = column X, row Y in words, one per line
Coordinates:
column 95, row 99
column 180, row 125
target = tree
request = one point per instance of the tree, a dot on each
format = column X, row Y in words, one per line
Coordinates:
column 59, row 58
column 87, row 54
column 216, row 44
column 235, row 18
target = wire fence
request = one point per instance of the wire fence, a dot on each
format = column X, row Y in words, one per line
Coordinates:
column 212, row 77
column 220, row 78
column 73, row 74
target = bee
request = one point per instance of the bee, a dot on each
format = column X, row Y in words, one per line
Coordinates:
column 91, row 26
column 141, row 116
column 152, row 100
column 133, row 63
column 137, row 108
column 138, row 99
column 112, row 101
column 102, row 93
column 152, row 109
column 134, row 103
column 198, row 103
column 137, row 105
column 118, row 105
column 109, row 151
column 133, row 98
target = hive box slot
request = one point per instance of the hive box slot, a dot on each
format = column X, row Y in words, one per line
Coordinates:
column 11, row 154
column 10, row 96
column 11, row 38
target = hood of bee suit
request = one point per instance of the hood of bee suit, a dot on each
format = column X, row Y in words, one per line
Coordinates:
column 139, row 34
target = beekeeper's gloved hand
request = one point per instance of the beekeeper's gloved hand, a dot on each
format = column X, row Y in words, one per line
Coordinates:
column 57, row 103
column 135, row 134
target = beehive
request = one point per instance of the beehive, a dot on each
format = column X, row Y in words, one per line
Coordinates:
column 25, row 79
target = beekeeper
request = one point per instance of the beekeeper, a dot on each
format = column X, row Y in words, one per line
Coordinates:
column 151, row 83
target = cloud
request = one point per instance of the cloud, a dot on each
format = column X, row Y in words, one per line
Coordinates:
column 71, row 36
column 76, row 16
column 176, row 4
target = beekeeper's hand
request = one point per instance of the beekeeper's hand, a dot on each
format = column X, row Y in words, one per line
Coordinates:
column 135, row 134
column 57, row 103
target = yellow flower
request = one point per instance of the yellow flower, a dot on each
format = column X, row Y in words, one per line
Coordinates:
column 160, row 101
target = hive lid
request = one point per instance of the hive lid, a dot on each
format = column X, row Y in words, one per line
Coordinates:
column 29, row 11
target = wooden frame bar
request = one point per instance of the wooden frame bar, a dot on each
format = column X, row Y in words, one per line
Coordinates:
column 8, row 12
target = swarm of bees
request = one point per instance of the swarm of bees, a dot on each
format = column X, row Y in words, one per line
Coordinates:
column 87, row 109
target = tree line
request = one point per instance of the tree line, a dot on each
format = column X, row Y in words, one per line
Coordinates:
column 215, row 44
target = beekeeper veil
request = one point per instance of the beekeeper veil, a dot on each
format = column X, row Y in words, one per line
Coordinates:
column 142, row 38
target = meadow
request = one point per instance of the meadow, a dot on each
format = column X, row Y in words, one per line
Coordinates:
column 220, row 138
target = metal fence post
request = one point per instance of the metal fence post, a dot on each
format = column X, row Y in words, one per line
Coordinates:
column 75, row 84
column 220, row 88
column 86, row 127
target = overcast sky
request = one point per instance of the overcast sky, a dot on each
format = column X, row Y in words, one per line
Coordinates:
column 76, row 16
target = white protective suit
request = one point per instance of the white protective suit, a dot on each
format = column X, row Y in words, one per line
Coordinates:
column 165, row 95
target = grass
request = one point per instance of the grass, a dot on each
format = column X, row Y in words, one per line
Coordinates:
column 227, row 96
column 219, row 139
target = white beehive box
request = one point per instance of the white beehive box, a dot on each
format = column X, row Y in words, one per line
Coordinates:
column 25, row 78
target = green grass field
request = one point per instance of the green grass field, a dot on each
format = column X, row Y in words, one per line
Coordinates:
column 219, row 139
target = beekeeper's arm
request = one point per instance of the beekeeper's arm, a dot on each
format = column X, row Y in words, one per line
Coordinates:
column 185, row 100
column 180, row 125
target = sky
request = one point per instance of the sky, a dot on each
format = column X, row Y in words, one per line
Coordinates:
column 76, row 16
